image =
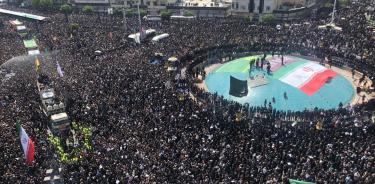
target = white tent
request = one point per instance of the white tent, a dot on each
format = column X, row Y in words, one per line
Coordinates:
column 15, row 22
column 159, row 37
column 21, row 28
column 33, row 52
column 333, row 26
column 180, row 17
column 136, row 36
column 172, row 59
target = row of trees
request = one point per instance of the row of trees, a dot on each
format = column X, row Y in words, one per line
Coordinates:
column 67, row 9
column 45, row 4
column 339, row 3
column 49, row 5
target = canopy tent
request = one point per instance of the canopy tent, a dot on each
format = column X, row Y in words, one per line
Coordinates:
column 180, row 17
column 171, row 64
column 136, row 36
column 33, row 52
column 21, row 14
column 172, row 59
column 21, row 28
column 15, row 22
column 148, row 32
column 159, row 37
column 157, row 58
column 328, row 26
column 152, row 18
column 30, row 43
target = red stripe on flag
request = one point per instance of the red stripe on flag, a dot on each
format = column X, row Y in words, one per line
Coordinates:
column 317, row 81
column 30, row 152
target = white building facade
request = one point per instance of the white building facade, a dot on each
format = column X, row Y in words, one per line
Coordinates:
column 253, row 6
column 263, row 6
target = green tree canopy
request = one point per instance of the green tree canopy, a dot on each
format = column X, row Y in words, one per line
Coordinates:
column 328, row 5
column 88, row 9
column 73, row 26
column 66, row 9
column 46, row 4
column 117, row 11
column 188, row 13
column 35, row 3
column 142, row 12
column 129, row 12
column 248, row 18
column 344, row 3
column 165, row 14
column 268, row 18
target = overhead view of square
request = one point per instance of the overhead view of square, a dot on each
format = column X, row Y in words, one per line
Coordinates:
column 187, row 91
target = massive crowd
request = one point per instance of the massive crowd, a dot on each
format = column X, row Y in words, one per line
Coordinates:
column 144, row 132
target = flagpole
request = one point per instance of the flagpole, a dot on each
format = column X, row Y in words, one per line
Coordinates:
column 140, row 24
column 333, row 12
column 124, row 16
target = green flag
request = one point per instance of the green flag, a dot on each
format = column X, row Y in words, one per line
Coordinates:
column 292, row 181
column 18, row 126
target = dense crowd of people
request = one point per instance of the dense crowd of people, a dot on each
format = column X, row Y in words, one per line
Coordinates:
column 147, row 130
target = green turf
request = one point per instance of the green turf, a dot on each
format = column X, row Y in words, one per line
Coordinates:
column 239, row 65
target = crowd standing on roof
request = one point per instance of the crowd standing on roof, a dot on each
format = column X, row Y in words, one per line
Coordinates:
column 145, row 132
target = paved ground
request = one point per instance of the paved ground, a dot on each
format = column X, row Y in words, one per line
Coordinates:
column 357, row 99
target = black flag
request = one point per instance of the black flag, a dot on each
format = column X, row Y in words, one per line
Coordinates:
column 238, row 88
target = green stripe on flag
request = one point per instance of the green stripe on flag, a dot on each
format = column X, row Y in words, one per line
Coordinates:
column 286, row 69
column 292, row 181
column 18, row 126
column 240, row 65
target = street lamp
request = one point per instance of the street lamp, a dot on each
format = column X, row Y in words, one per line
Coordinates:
column 333, row 12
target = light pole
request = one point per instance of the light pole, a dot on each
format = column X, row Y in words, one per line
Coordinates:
column 124, row 16
column 333, row 12
column 140, row 24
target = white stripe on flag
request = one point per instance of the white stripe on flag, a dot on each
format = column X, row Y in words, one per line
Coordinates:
column 24, row 141
column 302, row 74
column 59, row 70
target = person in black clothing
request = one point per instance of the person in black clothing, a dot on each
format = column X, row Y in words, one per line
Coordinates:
column 268, row 68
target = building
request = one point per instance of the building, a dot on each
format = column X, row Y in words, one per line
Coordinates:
column 199, row 11
column 98, row 5
column 206, row 3
column 248, row 7
column 201, row 7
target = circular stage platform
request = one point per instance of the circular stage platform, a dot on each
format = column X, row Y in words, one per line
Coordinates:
column 297, row 85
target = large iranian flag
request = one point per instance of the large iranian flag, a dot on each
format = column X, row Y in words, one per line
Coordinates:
column 309, row 77
column 27, row 144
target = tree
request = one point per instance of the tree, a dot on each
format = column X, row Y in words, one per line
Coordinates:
column 248, row 18
column 328, row 5
column 344, row 3
column 73, row 26
column 35, row 3
column 66, row 9
column 88, row 9
column 268, row 18
column 188, row 13
column 129, row 12
column 117, row 11
column 142, row 12
column 46, row 4
column 165, row 14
